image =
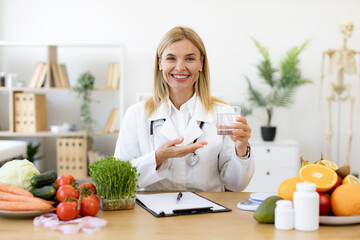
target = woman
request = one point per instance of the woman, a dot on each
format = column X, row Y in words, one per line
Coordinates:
column 172, row 138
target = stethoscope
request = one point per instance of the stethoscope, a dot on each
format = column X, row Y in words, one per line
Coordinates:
column 192, row 158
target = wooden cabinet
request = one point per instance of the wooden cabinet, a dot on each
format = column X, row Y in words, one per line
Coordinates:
column 63, row 106
column 274, row 162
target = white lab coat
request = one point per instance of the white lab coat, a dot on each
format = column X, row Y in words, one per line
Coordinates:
column 217, row 169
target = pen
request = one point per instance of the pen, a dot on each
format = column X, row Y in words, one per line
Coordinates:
column 178, row 197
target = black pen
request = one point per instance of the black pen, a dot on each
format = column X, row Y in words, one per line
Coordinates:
column 178, row 197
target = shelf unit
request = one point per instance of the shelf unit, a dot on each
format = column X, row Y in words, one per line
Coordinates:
column 14, row 61
column 10, row 132
column 274, row 162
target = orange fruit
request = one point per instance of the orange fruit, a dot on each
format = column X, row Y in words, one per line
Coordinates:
column 323, row 177
column 288, row 187
column 351, row 179
column 345, row 200
column 329, row 164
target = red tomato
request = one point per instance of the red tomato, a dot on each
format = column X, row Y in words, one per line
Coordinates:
column 325, row 204
column 89, row 206
column 88, row 188
column 65, row 192
column 95, row 197
column 65, row 179
column 67, row 210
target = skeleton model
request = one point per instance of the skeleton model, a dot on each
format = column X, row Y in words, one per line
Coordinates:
column 341, row 62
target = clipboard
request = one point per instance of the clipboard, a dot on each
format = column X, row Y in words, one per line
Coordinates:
column 164, row 204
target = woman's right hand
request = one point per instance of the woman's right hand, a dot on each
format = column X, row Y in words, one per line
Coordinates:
column 170, row 150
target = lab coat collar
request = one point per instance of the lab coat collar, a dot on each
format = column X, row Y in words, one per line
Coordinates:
column 193, row 130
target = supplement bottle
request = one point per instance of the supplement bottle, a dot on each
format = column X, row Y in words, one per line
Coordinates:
column 284, row 215
column 306, row 207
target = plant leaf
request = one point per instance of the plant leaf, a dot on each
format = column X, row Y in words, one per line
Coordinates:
column 266, row 71
column 255, row 96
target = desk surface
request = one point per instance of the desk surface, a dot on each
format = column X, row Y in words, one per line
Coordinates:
column 139, row 224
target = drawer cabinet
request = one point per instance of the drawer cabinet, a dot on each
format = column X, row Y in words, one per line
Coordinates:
column 274, row 162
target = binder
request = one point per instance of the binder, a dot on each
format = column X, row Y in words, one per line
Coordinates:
column 73, row 157
column 18, row 112
column 60, row 142
column 67, row 157
column 81, row 166
column 165, row 204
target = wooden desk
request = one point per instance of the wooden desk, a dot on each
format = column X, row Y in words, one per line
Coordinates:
column 139, row 224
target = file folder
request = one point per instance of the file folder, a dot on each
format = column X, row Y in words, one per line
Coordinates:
column 164, row 204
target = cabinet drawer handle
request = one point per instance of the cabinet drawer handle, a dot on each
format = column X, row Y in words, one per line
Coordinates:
column 268, row 150
column 267, row 173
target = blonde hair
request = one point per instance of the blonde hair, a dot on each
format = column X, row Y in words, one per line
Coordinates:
column 201, row 86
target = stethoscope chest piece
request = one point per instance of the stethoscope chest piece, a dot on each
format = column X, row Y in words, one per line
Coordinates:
column 192, row 159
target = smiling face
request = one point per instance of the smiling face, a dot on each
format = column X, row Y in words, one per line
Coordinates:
column 180, row 64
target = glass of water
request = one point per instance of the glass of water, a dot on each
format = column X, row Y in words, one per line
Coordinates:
column 225, row 117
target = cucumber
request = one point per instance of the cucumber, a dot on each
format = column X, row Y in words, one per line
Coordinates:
column 44, row 179
column 46, row 192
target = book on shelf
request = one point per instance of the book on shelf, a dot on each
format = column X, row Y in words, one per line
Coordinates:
column 58, row 74
column 112, row 121
column 55, row 75
column 109, row 76
column 36, row 74
column 113, row 76
column 63, row 76
column 42, row 77
column 39, row 75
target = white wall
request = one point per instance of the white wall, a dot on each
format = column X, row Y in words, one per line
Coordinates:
column 224, row 26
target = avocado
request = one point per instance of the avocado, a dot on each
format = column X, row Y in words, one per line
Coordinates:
column 265, row 212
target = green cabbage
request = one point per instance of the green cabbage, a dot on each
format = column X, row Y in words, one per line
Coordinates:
column 18, row 173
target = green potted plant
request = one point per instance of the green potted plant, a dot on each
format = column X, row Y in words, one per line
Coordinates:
column 116, row 183
column 83, row 88
column 32, row 155
column 280, row 83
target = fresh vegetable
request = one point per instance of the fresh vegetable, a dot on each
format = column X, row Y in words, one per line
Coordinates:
column 95, row 197
column 65, row 192
column 18, row 173
column 44, row 179
column 4, row 187
column 46, row 192
column 87, row 188
column 113, row 178
column 65, row 179
column 24, row 206
column 89, row 206
column 67, row 210
column 4, row 196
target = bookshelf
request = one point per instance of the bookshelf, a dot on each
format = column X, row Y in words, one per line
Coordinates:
column 22, row 58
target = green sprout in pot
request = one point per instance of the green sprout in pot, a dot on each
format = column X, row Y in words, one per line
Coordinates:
column 116, row 182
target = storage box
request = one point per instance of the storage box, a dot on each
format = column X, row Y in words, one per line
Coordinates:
column 30, row 112
column 71, row 157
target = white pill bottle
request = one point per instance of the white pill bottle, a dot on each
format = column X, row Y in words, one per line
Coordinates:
column 306, row 207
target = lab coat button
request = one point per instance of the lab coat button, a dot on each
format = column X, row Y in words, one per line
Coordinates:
column 172, row 167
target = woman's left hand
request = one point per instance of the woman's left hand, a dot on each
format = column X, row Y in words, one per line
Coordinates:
column 241, row 136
